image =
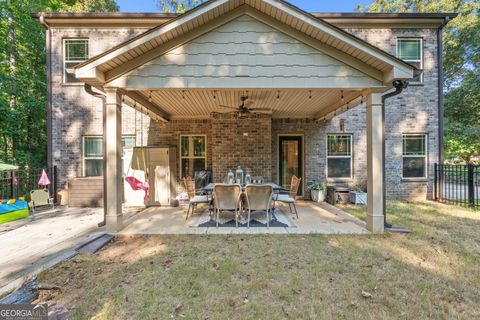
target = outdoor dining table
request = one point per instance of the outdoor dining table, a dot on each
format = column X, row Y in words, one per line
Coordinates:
column 209, row 187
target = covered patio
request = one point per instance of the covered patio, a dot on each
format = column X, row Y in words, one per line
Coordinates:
column 288, row 63
column 314, row 219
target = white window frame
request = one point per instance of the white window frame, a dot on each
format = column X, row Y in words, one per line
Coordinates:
column 190, row 151
column 425, row 171
column 97, row 158
column 339, row 157
column 410, row 60
column 64, row 43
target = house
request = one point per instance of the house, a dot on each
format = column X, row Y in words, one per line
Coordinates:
column 311, row 86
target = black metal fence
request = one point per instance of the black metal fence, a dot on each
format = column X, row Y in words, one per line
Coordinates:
column 14, row 184
column 458, row 184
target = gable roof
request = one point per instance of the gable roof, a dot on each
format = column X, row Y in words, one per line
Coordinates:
column 344, row 46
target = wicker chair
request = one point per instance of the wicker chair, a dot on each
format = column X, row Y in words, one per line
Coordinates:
column 195, row 198
column 259, row 198
column 227, row 197
column 291, row 197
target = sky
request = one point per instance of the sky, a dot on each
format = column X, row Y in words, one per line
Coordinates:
column 307, row 5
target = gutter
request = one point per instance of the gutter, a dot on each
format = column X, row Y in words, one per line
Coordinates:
column 399, row 85
column 103, row 97
column 48, row 51
column 441, row 155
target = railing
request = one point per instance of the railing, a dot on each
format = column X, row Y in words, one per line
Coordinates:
column 457, row 184
column 14, row 184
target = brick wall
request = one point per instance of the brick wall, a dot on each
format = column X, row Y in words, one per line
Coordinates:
column 245, row 142
column 413, row 111
column 75, row 113
column 227, row 144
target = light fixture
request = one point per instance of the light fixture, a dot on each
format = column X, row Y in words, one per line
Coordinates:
column 342, row 95
column 183, row 94
column 342, row 125
column 310, row 95
column 278, row 95
column 150, row 96
column 361, row 100
column 214, row 94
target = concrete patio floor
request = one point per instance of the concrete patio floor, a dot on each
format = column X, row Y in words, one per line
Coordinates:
column 313, row 218
column 44, row 239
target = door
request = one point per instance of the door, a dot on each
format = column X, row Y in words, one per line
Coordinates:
column 290, row 160
column 159, row 176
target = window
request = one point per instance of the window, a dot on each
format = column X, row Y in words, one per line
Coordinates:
column 414, row 156
column 75, row 51
column 411, row 51
column 93, row 153
column 193, row 154
column 339, row 156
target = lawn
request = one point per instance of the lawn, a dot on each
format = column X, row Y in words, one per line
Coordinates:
column 432, row 273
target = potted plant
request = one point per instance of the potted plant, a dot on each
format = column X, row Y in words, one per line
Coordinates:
column 317, row 192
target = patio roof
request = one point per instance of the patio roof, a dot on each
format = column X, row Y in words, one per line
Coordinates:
column 313, row 31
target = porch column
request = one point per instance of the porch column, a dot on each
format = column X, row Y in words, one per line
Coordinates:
column 112, row 175
column 375, row 220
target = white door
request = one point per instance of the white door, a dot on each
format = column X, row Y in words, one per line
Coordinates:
column 160, row 179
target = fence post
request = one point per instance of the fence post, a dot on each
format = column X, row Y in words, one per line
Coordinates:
column 13, row 185
column 54, row 172
column 435, row 181
column 471, row 186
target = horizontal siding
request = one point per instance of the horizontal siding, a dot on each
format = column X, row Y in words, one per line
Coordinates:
column 248, row 54
column 86, row 192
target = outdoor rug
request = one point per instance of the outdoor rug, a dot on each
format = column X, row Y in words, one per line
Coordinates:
column 278, row 219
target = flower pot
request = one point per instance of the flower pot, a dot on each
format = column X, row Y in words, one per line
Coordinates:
column 318, row 195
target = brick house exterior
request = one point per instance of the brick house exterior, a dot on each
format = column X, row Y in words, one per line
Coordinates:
column 253, row 142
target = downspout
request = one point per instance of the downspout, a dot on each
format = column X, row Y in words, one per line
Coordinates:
column 399, row 86
column 89, row 90
column 48, row 53
column 440, row 90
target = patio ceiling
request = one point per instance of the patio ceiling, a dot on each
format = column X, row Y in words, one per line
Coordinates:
column 285, row 103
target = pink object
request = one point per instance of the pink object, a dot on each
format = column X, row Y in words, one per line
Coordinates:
column 138, row 185
column 44, row 180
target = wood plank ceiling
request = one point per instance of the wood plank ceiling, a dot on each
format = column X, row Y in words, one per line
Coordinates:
column 291, row 103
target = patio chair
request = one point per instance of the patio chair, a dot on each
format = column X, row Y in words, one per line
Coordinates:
column 291, row 197
column 227, row 197
column 195, row 198
column 39, row 198
column 259, row 198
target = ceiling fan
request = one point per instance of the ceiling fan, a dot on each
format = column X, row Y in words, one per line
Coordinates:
column 244, row 109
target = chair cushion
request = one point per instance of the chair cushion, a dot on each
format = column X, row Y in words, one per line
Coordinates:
column 200, row 199
column 283, row 198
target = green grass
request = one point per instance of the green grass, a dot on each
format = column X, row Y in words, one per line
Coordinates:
column 432, row 273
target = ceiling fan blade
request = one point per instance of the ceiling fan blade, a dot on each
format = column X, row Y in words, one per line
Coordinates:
column 260, row 109
column 228, row 107
column 248, row 103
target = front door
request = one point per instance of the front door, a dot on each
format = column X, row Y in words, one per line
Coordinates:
column 290, row 160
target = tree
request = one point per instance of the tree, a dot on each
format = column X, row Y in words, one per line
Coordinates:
column 178, row 6
column 461, row 40
column 23, row 110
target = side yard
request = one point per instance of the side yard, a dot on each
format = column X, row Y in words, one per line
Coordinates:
column 431, row 273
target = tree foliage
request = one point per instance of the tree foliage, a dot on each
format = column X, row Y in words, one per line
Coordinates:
column 461, row 40
column 178, row 6
column 23, row 124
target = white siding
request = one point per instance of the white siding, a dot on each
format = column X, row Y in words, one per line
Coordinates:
column 245, row 53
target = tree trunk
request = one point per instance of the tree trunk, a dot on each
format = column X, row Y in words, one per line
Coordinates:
column 13, row 71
